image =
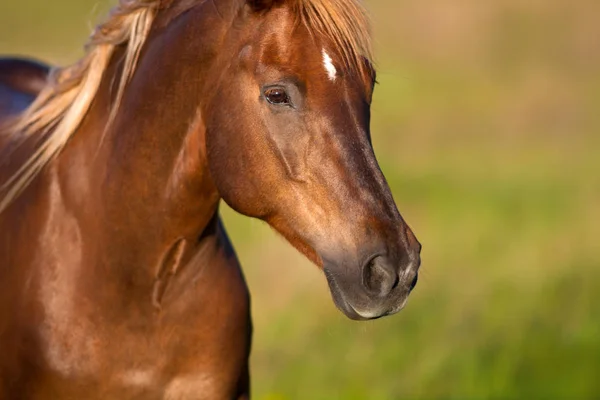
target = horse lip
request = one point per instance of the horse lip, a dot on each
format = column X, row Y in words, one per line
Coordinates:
column 341, row 303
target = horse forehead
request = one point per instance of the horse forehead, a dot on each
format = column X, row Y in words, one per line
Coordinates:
column 330, row 68
column 298, row 58
column 281, row 39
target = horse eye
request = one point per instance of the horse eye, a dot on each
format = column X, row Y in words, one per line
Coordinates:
column 277, row 96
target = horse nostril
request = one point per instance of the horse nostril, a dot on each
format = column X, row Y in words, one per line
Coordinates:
column 414, row 282
column 379, row 276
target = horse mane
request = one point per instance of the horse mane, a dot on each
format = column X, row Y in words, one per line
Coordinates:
column 62, row 104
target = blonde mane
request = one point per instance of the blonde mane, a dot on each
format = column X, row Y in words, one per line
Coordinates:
column 62, row 105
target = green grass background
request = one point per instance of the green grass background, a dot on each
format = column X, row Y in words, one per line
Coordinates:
column 487, row 124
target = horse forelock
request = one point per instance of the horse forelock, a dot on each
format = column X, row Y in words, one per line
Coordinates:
column 63, row 103
column 345, row 23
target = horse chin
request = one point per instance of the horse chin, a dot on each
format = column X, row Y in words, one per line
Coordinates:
column 341, row 303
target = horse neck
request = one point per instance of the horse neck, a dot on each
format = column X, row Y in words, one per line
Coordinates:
column 146, row 177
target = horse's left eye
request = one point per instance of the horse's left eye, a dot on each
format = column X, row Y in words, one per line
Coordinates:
column 277, row 96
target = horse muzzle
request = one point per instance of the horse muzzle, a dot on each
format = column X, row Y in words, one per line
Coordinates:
column 380, row 287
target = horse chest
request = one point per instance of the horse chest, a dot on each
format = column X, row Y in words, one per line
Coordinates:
column 173, row 363
column 196, row 348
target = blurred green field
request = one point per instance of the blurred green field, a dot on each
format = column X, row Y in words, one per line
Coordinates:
column 487, row 125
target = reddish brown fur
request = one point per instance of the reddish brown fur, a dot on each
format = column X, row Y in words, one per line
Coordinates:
column 117, row 279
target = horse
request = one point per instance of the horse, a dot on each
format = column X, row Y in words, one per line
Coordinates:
column 117, row 277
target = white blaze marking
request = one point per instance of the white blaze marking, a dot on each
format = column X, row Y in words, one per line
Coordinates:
column 329, row 67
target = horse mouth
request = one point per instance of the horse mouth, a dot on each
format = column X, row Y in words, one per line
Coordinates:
column 356, row 313
column 343, row 304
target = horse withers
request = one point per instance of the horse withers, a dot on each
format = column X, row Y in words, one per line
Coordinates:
column 117, row 278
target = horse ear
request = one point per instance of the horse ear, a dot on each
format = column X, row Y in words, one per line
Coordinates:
column 262, row 5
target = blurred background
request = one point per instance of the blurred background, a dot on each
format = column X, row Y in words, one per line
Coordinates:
column 486, row 123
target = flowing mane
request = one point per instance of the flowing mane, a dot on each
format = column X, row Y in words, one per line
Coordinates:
column 62, row 105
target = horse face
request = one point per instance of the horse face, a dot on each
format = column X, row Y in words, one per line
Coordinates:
column 288, row 142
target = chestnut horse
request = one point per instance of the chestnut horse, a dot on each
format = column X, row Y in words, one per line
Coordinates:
column 117, row 278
